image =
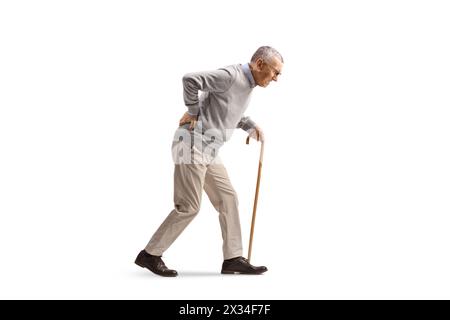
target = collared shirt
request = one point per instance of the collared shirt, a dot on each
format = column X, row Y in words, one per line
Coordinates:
column 249, row 75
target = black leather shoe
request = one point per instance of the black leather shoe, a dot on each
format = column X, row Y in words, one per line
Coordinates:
column 240, row 265
column 155, row 264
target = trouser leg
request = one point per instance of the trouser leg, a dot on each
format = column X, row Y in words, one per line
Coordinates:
column 224, row 199
column 188, row 186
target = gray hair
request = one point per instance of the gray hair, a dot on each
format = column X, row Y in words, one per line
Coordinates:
column 265, row 53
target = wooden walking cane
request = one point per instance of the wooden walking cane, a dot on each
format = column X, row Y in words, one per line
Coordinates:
column 255, row 203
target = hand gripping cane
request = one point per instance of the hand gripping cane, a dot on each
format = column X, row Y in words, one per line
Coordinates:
column 255, row 203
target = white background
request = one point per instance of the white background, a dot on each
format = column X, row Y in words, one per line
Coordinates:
column 354, row 200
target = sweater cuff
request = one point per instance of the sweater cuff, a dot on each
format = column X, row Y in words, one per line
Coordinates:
column 193, row 109
column 247, row 124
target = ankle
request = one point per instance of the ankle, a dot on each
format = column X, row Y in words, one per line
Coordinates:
column 233, row 259
column 150, row 255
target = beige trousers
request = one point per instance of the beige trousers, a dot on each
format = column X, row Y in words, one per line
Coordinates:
column 190, row 179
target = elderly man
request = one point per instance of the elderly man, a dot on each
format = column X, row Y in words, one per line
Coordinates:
column 209, row 122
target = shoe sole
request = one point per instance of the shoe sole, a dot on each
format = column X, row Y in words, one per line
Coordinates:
column 237, row 272
column 159, row 274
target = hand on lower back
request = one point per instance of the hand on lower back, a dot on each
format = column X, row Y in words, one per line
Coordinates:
column 187, row 118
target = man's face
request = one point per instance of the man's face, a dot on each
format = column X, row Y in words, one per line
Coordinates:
column 267, row 71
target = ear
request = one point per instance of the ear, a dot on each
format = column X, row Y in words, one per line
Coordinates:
column 259, row 64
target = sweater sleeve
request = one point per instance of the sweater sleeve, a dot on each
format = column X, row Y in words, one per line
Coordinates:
column 209, row 81
column 246, row 124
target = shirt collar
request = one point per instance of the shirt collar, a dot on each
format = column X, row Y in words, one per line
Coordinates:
column 248, row 73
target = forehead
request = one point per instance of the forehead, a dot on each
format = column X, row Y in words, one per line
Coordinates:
column 276, row 63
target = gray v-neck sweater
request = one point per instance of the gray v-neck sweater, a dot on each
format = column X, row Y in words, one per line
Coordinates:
column 225, row 94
